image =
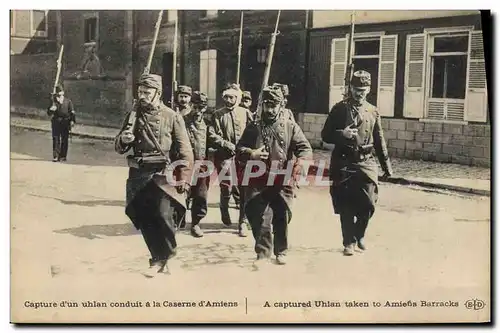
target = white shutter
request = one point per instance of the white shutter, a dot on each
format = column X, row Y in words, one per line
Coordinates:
column 208, row 75
column 476, row 95
column 387, row 75
column 414, row 97
column 338, row 63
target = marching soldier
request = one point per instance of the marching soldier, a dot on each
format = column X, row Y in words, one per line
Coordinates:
column 286, row 94
column 354, row 127
column 275, row 137
column 225, row 131
column 63, row 119
column 198, row 134
column 153, row 203
column 183, row 99
column 182, row 104
column 246, row 100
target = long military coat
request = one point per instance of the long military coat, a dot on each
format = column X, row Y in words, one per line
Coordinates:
column 168, row 128
column 366, row 119
column 287, row 142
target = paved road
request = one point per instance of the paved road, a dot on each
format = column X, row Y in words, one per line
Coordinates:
column 71, row 241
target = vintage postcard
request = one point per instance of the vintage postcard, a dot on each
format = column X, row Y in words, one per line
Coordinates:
column 250, row 166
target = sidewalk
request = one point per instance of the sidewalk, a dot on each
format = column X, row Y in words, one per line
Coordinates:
column 454, row 177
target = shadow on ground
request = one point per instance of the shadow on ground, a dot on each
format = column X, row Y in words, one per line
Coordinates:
column 96, row 231
column 85, row 203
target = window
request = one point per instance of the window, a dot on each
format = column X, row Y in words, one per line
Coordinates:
column 261, row 56
column 90, row 26
column 172, row 15
column 367, row 47
column 211, row 13
column 39, row 23
column 449, row 67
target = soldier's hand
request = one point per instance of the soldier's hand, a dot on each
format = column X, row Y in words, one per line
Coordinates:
column 127, row 137
column 259, row 154
column 53, row 108
column 350, row 132
column 72, row 124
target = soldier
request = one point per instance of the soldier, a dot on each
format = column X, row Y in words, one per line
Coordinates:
column 153, row 203
column 226, row 128
column 275, row 137
column 183, row 99
column 354, row 127
column 198, row 134
column 63, row 120
column 286, row 94
column 246, row 100
column 183, row 106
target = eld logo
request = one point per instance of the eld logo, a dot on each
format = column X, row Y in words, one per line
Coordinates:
column 475, row 304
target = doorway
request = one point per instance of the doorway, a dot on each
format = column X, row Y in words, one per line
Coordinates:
column 371, row 66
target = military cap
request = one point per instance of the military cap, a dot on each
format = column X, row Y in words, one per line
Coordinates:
column 185, row 90
column 361, row 79
column 283, row 87
column 247, row 95
column 150, row 81
column 199, row 98
column 272, row 94
column 59, row 88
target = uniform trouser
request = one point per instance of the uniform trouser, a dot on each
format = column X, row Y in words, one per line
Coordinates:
column 225, row 197
column 235, row 192
column 268, row 215
column 198, row 195
column 359, row 195
column 155, row 215
column 60, row 135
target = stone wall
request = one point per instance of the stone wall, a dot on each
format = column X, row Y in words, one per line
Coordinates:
column 412, row 139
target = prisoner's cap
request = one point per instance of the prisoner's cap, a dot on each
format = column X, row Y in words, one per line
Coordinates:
column 361, row 79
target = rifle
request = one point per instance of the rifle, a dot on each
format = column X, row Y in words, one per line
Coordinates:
column 174, row 70
column 239, row 50
column 267, row 71
column 350, row 65
column 58, row 74
column 133, row 115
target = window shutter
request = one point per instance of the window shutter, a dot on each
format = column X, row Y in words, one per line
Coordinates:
column 387, row 75
column 414, row 97
column 476, row 95
column 338, row 62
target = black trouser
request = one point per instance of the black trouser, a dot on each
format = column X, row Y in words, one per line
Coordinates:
column 225, row 197
column 359, row 195
column 155, row 214
column 268, row 211
column 198, row 195
column 235, row 192
column 60, row 135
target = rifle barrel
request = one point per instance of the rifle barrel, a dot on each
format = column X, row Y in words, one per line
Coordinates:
column 239, row 50
column 153, row 45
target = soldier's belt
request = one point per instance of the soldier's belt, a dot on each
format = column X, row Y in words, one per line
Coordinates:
column 150, row 162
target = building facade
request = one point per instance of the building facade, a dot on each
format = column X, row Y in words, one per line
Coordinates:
column 428, row 79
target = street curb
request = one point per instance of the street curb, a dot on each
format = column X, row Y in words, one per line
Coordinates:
column 312, row 169
column 78, row 134
column 408, row 181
